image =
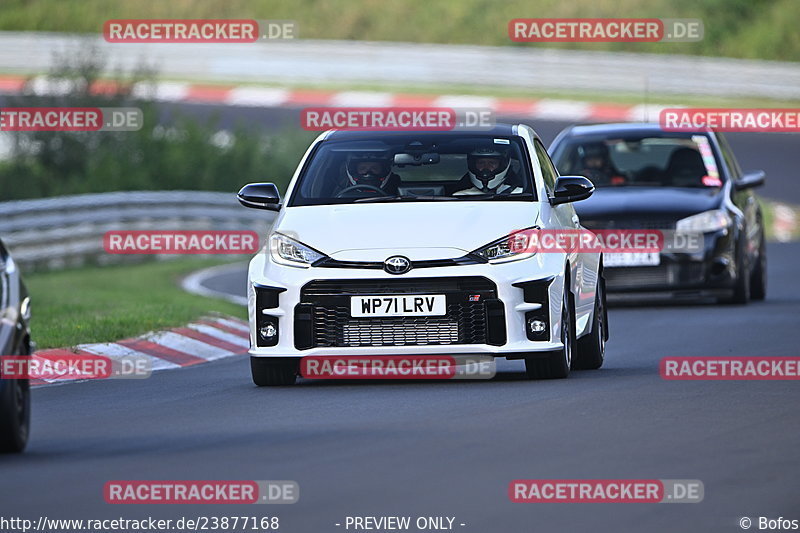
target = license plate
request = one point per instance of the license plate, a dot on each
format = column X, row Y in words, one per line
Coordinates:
column 412, row 305
column 632, row 259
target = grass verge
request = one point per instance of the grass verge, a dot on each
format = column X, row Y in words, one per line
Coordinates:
column 764, row 29
column 105, row 304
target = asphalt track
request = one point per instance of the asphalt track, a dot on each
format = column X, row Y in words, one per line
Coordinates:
column 448, row 448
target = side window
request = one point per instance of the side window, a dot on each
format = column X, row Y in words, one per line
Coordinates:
column 548, row 170
column 730, row 160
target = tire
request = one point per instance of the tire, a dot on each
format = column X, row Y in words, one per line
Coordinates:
column 741, row 289
column 556, row 364
column 758, row 279
column 274, row 371
column 591, row 350
column 15, row 414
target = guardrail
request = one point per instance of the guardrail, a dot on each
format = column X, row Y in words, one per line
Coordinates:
column 393, row 64
column 68, row 231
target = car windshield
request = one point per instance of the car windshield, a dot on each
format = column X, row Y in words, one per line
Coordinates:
column 651, row 161
column 415, row 168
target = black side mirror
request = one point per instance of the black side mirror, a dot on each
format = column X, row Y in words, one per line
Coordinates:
column 752, row 179
column 260, row 196
column 571, row 189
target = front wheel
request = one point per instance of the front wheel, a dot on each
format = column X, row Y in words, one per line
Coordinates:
column 556, row 364
column 274, row 371
column 592, row 347
column 15, row 412
column 741, row 288
column 758, row 280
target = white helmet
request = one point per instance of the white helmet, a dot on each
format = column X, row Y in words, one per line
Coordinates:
column 486, row 179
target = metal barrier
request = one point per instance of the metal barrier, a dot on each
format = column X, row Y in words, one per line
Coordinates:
column 68, row 231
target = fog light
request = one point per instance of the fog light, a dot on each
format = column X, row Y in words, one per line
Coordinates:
column 536, row 326
column 268, row 332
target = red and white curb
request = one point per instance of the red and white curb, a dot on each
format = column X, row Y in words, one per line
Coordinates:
column 207, row 339
column 254, row 96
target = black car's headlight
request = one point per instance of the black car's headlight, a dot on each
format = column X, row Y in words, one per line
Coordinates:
column 705, row 222
column 510, row 248
column 289, row 252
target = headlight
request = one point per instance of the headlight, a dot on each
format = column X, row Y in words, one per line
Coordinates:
column 705, row 222
column 286, row 251
column 510, row 248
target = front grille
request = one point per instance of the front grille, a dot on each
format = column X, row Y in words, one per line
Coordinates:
column 643, row 224
column 654, row 276
column 466, row 322
column 630, row 277
column 335, row 327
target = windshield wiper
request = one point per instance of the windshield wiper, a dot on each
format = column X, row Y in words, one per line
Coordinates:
column 380, row 199
column 492, row 196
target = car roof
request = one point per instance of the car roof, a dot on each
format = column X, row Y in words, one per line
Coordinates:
column 624, row 128
column 497, row 129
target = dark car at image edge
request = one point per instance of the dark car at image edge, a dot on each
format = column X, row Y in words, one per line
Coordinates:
column 15, row 339
column 652, row 180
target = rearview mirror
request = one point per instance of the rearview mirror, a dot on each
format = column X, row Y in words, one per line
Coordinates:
column 571, row 189
column 416, row 159
column 260, row 196
column 751, row 179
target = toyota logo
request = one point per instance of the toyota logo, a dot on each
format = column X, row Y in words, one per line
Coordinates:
column 397, row 264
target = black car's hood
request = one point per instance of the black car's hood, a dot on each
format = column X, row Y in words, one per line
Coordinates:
column 648, row 202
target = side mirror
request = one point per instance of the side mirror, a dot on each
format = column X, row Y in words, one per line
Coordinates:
column 260, row 196
column 571, row 189
column 750, row 179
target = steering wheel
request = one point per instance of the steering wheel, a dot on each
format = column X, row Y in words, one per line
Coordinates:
column 370, row 188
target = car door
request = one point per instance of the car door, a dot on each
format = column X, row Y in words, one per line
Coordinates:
column 584, row 265
column 745, row 200
column 7, row 326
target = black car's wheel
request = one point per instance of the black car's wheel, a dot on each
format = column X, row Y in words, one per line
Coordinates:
column 15, row 415
column 274, row 371
column 592, row 347
column 741, row 288
column 556, row 364
column 758, row 279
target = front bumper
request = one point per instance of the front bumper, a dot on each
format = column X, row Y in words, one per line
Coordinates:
column 282, row 301
column 710, row 272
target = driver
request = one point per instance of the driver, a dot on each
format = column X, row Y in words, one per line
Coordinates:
column 597, row 165
column 489, row 172
column 373, row 169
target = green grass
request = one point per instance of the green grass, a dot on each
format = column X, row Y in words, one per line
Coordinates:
column 762, row 29
column 105, row 304
column 768, row 209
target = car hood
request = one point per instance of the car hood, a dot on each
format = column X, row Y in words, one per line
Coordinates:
column 648, row 202
column 419, row 230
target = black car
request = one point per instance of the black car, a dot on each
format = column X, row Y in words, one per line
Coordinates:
column 15, row 339
column 687, row 181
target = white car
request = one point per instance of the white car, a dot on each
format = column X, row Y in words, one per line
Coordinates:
column 401, row 243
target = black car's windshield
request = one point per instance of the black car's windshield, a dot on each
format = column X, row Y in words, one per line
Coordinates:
column 653, row 161
column 415, row 168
